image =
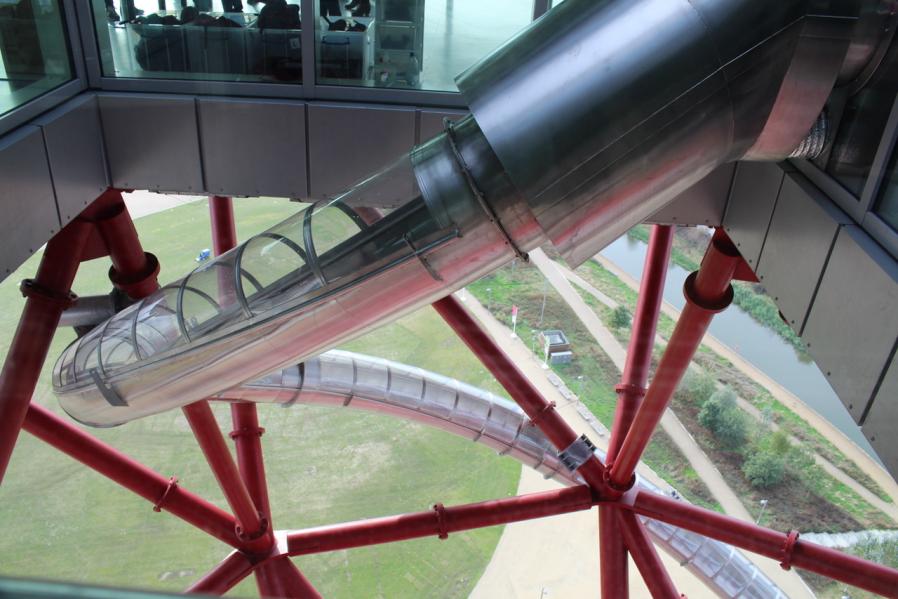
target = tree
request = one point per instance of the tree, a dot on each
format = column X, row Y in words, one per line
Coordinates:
column 764, row 468
column 696, row 386
column 732, row 428
column 620, row 317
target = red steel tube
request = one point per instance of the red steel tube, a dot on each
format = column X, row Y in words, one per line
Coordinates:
column 47, row 298
column 439, row 521
column 251, row 525
column 223, row 577
column 634, row 379
column 133, row 270
column 642, row 337
column 612, row 555
column 541, row 412
column 833, row 564
column 279, row 577
column 646, row 558
column 247, row 433
column 707, row 293
column 130, row 474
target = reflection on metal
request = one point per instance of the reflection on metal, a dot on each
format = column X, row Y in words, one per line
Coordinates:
column 812, row 146
column 339, row 378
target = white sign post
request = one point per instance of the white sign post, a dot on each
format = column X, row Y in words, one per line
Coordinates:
column 514, row 321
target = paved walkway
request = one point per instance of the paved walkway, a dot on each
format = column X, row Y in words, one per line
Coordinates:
column 558, row 556
column 854, row 453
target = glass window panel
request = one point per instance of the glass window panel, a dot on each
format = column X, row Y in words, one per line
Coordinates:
column 157, row 322
column 862, row 124
column 887, row 204
column 34, row 53
column 214, row 40
column 411, row 44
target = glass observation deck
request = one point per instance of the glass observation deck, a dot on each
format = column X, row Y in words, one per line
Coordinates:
column 325, row 248
column 400, row 44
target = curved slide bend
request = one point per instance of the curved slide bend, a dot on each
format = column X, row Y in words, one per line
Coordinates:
column 339, row 378
column 583, row 125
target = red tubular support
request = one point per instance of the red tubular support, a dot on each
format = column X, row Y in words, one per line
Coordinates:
column 436, row 523
column 783, row 547
column 252, row 527
column 642, row 337
column 540, row 411
column 629, row 395
column 247, row 434
column 130, row 474
column 48, row 295
column 280, row 577
column 133, row 270
column 612, row 555
column 223, row 577
column 707, row 292
column 646, row 558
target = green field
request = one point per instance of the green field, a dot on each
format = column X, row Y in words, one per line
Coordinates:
column 63, row 521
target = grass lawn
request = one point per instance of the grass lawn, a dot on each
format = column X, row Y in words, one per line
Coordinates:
column 63, row 521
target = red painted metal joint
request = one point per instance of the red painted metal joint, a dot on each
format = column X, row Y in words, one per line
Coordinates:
column 546, row 409
column 633, row 391
column 172, row 485
column 441, row 521
column 709, row 305
column 257, row 431
column 32, row 289
column 789, row 549
column 612, row 489
column 245, row 537
column 140, row 283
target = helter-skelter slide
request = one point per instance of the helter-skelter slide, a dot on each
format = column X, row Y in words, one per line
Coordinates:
column 582, row 126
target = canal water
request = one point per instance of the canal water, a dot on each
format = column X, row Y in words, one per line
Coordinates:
column 753, row 341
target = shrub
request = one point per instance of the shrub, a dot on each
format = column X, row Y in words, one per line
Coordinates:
column 732, row 428
column 763, row 468
column 696, row 386
column 620, row 317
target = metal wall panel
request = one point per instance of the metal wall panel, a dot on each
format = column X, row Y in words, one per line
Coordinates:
column 801, row 234
column 347, row 143
column 74, row 140
column 701, row 204
column 26, row 198
column 152, row 142
column 431, row 121
column 882, row 420
column 853, row 323
column 753, row 196
column 254, row 148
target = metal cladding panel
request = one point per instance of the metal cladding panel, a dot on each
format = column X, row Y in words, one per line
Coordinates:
column 853, row 324
column 74, row 140
column 882, row 419
column 26, row 198
column 254, row 147
column 152, row 142
column 702, row 204
column 431, row 122
column 801, row 233
column 752, row 199
column 349, row 143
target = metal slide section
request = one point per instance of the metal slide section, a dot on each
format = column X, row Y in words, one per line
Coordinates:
column 583, row 125
column 340, row 378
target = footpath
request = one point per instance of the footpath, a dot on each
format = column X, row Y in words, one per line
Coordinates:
column 854, row 453
column 559, row 556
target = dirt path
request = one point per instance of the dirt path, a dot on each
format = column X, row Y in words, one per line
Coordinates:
column 558, row 556
column 791, row 401
column 718, row 486
column 890, row 509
